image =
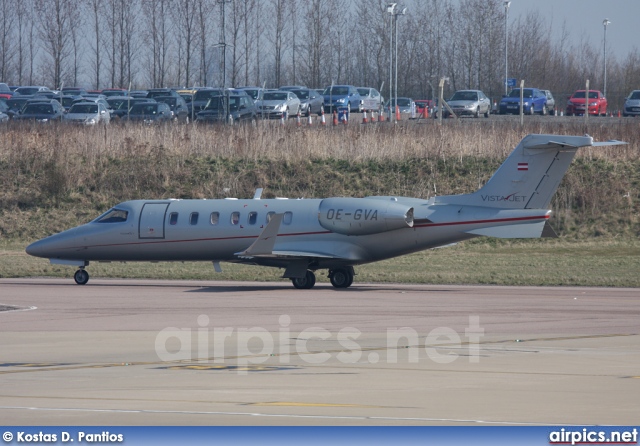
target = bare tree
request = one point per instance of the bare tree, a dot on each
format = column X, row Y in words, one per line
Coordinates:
column 158, row 39
column 96, row 11
column 187, row 31
column 76, row 22
column 53, row 20
column 7, row 15
column 205, row 25
column 278, row 36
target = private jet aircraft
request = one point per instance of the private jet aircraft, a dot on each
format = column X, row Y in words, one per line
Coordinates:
column 302, row 236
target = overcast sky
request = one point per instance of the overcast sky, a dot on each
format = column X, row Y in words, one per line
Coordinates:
column 584, row 19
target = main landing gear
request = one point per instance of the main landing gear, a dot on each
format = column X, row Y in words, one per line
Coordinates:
column 339, row 277
column 81, row 277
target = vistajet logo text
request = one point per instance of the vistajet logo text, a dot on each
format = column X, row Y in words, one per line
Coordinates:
column 511, row 198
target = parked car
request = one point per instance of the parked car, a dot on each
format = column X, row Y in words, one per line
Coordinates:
column 15, row 105
column 310, row 101
column 291, row 87
column 254, row 92
column 240, row 107
column 404, row 105
column 533, row 101
column 342, row 96
column 597, row 103
column 119, row 105
column 87, row 113
column 31, row 90
column 114, row 92
column 470, row 103
column 551, row 102
column 178, row 107
column 371, row 98
column 67, row 100
column 151, row 113
column 278, row 104
column 92, row 98
column 632, row 104
column 41, row 111
column 73, row 91
column 4, row 116
column 201, row 98
column 138, row 93
column 156, row 92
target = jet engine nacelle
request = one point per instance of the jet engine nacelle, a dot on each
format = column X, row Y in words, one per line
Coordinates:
column 363, row 216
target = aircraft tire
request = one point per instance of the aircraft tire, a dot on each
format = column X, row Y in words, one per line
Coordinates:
column 304, row 283
column 81, row 277
column 341, row 277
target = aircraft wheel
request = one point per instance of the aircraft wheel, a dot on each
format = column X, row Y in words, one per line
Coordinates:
column 341, row 277
column 304, row 283
column 81, row 277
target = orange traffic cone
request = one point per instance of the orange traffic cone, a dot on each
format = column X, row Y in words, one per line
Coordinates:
column 364, row 117
column 425, row 112
column 322, row 121
column 344, row 118
column 397, row 113
column 335, row 118
column 380, row 116
column 298, row 123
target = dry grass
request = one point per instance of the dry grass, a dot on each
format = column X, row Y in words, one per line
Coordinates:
column 53, row 177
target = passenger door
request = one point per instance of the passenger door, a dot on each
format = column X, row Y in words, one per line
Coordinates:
column 151, row 222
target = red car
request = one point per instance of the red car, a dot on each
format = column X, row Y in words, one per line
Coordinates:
column 597, row 103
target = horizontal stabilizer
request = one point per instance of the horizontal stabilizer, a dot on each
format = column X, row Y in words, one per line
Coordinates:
column 525, row 230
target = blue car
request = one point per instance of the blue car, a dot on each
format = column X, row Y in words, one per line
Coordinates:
column 533, row 101
column 342, row 96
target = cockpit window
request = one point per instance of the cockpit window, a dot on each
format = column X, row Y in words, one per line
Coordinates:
column 113, row 216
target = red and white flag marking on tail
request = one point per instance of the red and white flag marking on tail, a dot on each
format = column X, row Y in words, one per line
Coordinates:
column 523, row 166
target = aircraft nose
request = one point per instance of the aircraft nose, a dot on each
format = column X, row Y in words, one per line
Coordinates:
column 52, row 246
column 36, row 249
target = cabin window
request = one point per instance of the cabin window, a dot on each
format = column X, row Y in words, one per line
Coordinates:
column 253, row 217
column 173, row 218
column 113, row 216
column 288, row 217
column 269, row 215
column 215, row 218
column 235, row 218
column 193, row 218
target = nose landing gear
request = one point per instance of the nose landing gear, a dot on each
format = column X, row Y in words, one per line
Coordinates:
column 81, row 277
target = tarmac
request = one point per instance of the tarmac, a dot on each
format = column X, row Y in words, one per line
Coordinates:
column 142, row 352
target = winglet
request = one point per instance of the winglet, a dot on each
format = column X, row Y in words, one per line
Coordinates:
column 266, row 240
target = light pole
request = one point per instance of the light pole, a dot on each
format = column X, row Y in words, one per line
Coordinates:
column 506, row 46
column 395, row 12
column 605, row 22
column 391, row 7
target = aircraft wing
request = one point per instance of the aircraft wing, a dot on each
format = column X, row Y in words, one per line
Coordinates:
column 264, row 244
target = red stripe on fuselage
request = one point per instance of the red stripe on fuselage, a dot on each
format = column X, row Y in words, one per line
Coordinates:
column 299, row 234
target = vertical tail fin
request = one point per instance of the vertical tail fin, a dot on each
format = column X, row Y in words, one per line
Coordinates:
column 530, row 175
